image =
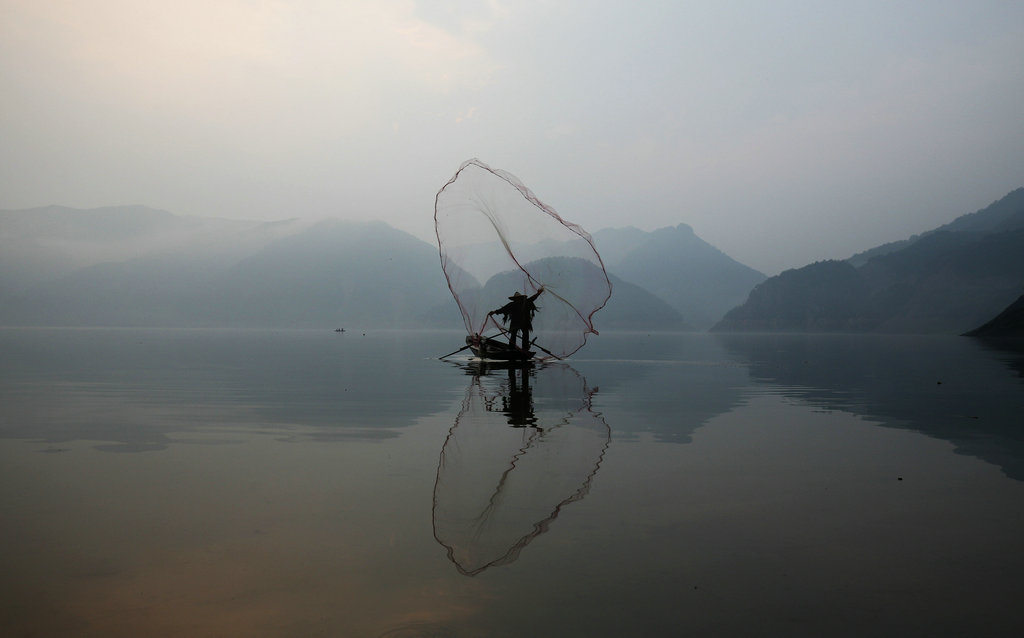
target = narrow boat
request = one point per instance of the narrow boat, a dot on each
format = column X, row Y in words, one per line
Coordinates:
column 491, row 348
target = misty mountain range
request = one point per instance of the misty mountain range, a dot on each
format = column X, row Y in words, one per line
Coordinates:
column 135, row 266
column 949, row 280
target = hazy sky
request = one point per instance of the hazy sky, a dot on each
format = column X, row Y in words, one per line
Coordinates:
column 783, row 132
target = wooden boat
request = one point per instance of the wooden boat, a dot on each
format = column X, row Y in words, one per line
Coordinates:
column 491, row 348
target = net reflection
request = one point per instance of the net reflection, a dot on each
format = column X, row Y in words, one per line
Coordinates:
column 525, row 444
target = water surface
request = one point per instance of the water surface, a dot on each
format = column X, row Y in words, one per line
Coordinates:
column 283, row 483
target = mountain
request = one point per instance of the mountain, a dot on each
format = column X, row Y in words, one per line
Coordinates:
column 634, row 308
column 136, row 266
column 350, row 273
column 694, row 277
column 133, row 265
column 947, row 280
column 43, row 244
column 1005, row 214
column 1008, row 323
column 328, row 273
column 826, row 296
column 630, row 307
column 615, row 244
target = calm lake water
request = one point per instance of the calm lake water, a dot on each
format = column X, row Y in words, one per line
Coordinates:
column 298, row 483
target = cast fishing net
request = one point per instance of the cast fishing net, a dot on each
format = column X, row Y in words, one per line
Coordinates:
column 525, row 445
column 497, row 238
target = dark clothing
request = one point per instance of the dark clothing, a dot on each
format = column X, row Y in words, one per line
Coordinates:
column 519, row 313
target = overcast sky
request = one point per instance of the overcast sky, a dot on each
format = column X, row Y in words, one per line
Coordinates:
column 783, row 132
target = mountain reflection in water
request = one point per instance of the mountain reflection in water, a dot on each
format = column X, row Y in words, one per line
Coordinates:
column 951, row 388
column 525, row 444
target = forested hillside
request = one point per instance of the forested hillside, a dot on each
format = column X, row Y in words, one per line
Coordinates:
column 949, row 280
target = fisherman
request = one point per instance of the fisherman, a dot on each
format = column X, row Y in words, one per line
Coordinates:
column 518, row 312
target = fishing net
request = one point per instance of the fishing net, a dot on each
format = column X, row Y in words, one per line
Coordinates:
column 496, row 238
column 525, row 444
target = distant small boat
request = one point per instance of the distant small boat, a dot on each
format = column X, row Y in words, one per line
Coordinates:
column 339, row 330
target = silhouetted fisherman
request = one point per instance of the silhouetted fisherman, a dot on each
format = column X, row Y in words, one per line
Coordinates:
column 518, row 312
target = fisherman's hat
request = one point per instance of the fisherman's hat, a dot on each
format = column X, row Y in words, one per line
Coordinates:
column 517, row 295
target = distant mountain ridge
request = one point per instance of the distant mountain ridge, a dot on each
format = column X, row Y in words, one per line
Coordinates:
column 305, row 276
column 45, row 243
column 694, row 277
column 1002, row 215
column 137, row 266
column 948, row 280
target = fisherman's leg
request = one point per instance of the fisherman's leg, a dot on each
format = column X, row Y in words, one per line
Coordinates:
column 526, row 339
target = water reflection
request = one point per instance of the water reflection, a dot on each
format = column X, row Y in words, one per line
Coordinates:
column 1006, row 349
column 666, row 386
column 952, row 388
column 143, row 390
column 526, row 443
